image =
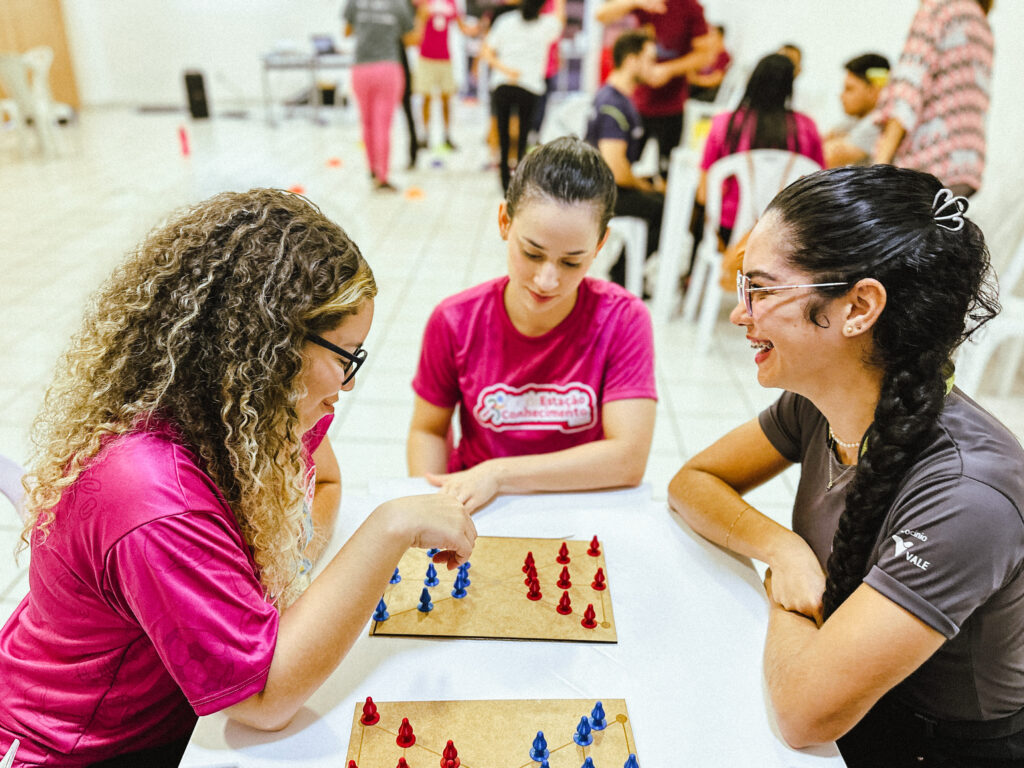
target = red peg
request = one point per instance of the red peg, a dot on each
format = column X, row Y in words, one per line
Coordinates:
column 595, row 547
column 530, row 574
column 406, row 738
column 563, row 554
column 402, row 763
column 529, row 561
column 534, row 593
column 598, row 582
column 450, row 756
column 370, row 714
column 352, row 764
column 564, row 605
column 564, row 580
column 589, row 618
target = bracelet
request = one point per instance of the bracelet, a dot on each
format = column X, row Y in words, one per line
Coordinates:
column 727, row 535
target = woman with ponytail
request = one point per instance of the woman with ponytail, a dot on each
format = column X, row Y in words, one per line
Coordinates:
column 897, row 599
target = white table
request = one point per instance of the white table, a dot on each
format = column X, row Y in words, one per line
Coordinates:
column 691, row 622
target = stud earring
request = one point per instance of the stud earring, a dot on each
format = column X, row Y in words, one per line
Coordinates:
column 849, row 329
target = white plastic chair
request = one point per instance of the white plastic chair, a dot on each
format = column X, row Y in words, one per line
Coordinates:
column 568, row 117
column 10, row 486
column 676, row 242
column 760, row 174
column 630, row 233
column 696, row 112
column 26, row 78
column 8, row 760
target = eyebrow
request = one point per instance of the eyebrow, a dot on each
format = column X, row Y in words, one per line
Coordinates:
column 540, row 247
column 761, row 274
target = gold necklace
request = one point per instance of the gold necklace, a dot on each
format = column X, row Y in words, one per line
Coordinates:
column 832, row 457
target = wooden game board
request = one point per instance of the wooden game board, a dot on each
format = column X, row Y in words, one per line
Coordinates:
column 496, row 605
column 491, row 734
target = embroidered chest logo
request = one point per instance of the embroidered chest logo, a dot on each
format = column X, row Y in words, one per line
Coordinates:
column 564, row 408
column 904, row 541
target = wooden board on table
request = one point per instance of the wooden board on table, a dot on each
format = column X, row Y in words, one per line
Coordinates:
column 496, row 605
column 491, row 734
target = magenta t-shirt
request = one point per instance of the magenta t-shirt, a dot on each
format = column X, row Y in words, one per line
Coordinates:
column 806, row 141
column 440, row 14
column 520, row 395
column 144, row 610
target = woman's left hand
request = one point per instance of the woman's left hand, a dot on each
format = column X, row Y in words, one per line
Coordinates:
column 472, row 487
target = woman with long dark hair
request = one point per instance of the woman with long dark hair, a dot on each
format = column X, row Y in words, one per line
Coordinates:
column 897, row 599
column 763, row 120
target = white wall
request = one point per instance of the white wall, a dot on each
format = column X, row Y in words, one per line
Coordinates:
column 134, row 51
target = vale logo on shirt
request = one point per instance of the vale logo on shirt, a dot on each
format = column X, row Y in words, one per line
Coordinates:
column 904, row 540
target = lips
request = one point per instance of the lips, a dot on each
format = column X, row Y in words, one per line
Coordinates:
column 540, row 299
column 763, row 347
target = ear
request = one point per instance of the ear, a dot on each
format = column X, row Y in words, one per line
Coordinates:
column 865, row 302
column 504, row 220
column 602, row 241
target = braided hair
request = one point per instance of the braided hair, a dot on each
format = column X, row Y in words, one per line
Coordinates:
column 851, row 223
column 764, row 111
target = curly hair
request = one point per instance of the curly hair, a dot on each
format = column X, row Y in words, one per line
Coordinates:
column 850, row 223
column 204, row 324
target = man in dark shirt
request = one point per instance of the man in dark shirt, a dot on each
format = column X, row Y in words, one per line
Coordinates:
column 615, row 128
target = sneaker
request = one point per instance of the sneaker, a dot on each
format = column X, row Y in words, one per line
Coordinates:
column 449, row 145
column 384, row 186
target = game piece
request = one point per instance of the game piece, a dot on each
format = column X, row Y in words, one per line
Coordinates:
column 563, row 554
column 530, row 574
column 450, row 756
column 582, row 735
column 381, row 614
column 431, row 580
column 589, row 617
column 534, row 591
column 598, row 582
column 370, row 714
column 432, row 551
column 564, row 580
column 425, row 605
column 595, row 547
column 588, row 763
column 352, row 764
column 597, row 718
column 183, row 140
column 564, row 606
column 402, row 763
column 406, row 738
column 539, row 752
column 395, row 577
column 464, row 570
column 631, row 762
column 529, row 561
column 459, row 590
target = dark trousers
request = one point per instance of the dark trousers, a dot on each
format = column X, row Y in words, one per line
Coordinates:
column 506, row 98
column 667, row 131
column 892, row 736
column 643, row 204
column 542, row 105
column 410, row 121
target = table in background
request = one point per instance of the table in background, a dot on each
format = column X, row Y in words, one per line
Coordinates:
column 315, row 65
column 691, row 622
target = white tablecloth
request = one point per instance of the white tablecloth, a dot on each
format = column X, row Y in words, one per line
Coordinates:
column 691, row 622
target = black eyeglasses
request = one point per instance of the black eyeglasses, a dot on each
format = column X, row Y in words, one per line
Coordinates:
column 354, row 359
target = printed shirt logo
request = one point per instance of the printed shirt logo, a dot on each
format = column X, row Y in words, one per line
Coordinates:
column 564, row 408
column 904, row 541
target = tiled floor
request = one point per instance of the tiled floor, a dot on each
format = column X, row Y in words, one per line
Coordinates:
column 64, row 223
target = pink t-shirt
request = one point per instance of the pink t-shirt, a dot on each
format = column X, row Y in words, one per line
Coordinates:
column 520, row 395
column 805, row 141
column 440, row 14
column 144, row 610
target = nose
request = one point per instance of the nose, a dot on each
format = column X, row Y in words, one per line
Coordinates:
column 739, row 315
column 547, row 277
column 349, row 385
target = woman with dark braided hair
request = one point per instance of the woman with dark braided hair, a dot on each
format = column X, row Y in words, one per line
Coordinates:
column 182, row 478
column 897, row 599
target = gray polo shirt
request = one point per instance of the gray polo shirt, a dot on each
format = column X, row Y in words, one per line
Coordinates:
column 950, row 550
column 378, row 26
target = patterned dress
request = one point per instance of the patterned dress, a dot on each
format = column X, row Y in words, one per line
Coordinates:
column 939, row 92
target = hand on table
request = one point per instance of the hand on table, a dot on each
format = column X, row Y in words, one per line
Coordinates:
column 473, row 487
column 436, row 520
column 796, row 582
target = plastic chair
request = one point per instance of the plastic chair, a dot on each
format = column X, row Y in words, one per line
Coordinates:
column 696, row 113
column 10, row 486
column 26, row 78
column 760, row 174
column 676, row 241
column 568, row 117
column 631, row 234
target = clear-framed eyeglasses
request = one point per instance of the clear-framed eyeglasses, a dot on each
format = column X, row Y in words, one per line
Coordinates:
column 744, row 291
column 352, row 360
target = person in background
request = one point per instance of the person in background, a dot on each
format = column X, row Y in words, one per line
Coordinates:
column 181, row 482
column 933, row 111
column 853, row 143
column 616, row 130
column 434, row 67
column 550, row 79
column 792, row 52
column 552, row 371
column 377, row 78
column 897, row 598
column 705, row 83
column 681, row 34
column 516, row 49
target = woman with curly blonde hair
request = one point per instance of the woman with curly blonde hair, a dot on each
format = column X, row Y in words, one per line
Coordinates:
column 172, row 493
